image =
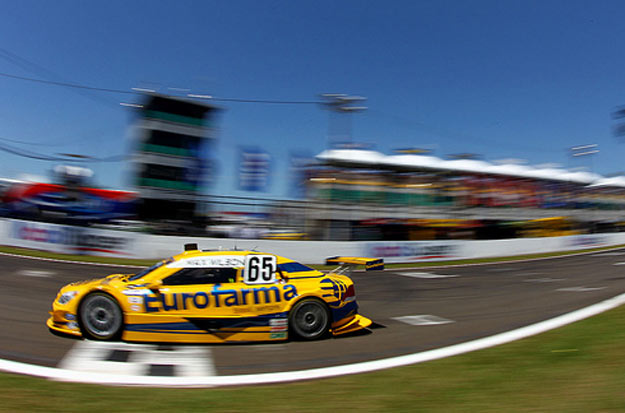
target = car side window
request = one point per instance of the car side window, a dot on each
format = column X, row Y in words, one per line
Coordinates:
column 191, row 276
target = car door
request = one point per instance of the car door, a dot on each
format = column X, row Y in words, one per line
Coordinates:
column 219, row 300
column 199, row 292
column 187, row 300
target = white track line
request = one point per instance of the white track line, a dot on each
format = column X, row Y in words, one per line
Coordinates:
column 426, row 275
column 325, row 372
column 543, row 280
column 37, row 273
column 580, row 289
column 423, row 320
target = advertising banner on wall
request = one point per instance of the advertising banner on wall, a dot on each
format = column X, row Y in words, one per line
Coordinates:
column 90, row 241
column 299, row 173
column 588, row 241
column 254, row 169
column 408, row 251
column 67, row 239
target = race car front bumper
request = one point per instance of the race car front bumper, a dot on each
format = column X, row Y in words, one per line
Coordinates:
column 350, row 324
column 64, row 323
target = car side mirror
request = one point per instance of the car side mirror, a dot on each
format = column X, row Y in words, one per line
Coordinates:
column 282, row 275
column 155, row 286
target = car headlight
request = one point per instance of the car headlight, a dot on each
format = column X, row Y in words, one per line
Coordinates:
column 66, row 297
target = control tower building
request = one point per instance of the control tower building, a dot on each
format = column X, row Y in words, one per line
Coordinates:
column 170, row 156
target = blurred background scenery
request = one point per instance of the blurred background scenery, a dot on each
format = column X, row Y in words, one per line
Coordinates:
column 350, row 120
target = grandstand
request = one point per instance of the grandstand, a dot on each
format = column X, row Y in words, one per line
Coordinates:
column 407, row 195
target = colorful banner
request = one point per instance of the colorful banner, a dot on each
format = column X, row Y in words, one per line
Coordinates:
column 68, row 239
column 299, row 174
column 254, row 168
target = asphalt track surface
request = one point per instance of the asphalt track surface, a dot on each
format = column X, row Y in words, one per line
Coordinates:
column 459, row 304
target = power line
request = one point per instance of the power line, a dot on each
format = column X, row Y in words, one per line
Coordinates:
column 412, row 123
column 47, row 74
column 132, row 92
column 43, row 157
column 42, row 72
column 21, row 142
column 31, row 155
column 65, row 84
column 283, row 102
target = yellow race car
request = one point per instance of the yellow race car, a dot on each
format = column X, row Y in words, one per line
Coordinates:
column 213, row 297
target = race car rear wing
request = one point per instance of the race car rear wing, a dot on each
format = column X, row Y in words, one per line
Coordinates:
column 347, row 264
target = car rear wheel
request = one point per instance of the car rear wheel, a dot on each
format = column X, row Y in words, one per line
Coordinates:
column 309, row 319
column 100, row 317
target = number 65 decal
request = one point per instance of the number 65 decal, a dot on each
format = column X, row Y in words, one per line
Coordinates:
column 260, row 269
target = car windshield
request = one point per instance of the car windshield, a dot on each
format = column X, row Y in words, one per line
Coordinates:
column 294, row 267
column 149, row 269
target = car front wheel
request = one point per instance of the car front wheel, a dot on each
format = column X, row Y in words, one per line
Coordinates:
column 100, row 317
column 309, row 319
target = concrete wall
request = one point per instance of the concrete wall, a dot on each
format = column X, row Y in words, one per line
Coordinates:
column 78, row 240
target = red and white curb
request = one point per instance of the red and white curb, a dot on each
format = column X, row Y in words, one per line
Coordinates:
column 320, row 373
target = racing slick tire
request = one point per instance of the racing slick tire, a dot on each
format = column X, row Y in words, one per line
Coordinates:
column 100, row 317
column 309, row 319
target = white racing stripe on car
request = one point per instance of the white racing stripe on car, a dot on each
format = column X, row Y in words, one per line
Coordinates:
column 580, row 289
column 423, row 320
column 139, row 359
column 619, row 263
column 37, row 273
column 319, row 373
column 426, row 275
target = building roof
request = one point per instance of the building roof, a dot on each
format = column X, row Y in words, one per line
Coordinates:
column 412, row 162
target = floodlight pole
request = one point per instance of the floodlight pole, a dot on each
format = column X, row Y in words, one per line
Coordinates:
column 583, row 151
column 340, row 104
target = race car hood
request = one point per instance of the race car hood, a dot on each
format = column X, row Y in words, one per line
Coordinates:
column 112, row 280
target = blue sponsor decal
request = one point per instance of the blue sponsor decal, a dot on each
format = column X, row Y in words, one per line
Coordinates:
column 586, row 241
column 218, row 297
column 41, row 233
column 201, row 326
column 292, row 267
column 334, row 288
column 347, row 310
column 81, row 239
column 412, row 250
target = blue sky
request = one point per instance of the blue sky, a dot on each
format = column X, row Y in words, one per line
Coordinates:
column 503, row 79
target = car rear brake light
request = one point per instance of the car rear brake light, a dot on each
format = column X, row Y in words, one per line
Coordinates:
column 350, row 294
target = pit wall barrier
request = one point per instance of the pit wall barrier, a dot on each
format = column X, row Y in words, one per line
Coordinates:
column 102, row 242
